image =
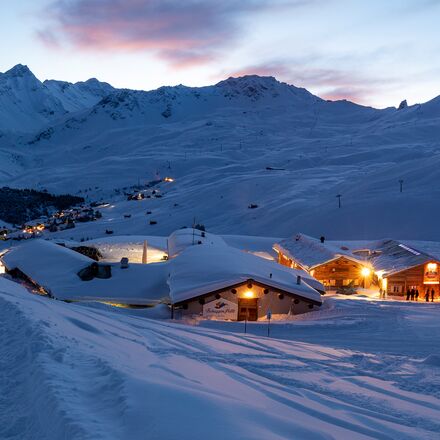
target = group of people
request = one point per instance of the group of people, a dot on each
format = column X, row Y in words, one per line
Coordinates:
column 413, row 294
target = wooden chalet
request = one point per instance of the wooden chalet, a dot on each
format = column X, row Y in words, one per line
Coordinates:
column 219, row 282
column 334, row 265
column 400, row 267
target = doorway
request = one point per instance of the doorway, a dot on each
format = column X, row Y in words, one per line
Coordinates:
column 247, row 309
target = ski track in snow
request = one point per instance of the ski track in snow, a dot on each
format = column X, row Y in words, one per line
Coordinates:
column 74, row 372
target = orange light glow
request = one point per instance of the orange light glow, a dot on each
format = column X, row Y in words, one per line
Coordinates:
column 365, row 272
column 249, row 294
column 432, row 267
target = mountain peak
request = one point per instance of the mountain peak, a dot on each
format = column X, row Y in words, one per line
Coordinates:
column 251, row 86
column 256, row 87
column 247, row 80
column 19, row 70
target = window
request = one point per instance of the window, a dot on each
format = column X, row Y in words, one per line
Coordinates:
column 396, row 288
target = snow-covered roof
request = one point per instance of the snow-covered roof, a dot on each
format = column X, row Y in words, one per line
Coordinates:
column 391, row 256
column 199, row 270
column 55, row 268
column 155, row 242
column 309, row 252
column 116, row 247
column 431, row 248
column 196, row 270
column 179, row 240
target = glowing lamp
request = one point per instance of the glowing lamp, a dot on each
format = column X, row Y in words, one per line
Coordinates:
column 249, row 294
column 365, row 272
column 432, row 267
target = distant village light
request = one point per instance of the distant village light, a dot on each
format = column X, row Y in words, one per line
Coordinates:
column 168, row 179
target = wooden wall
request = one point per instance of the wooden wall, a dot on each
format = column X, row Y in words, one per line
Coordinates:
column 340, row 272
column 286, row 261
column 266, row 301
column 399, row 283
column 336, row 273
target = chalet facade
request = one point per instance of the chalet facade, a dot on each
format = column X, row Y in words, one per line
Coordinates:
column 334, row 265
column 394, row 267
column 249, row 300
column 400, row 267
column 218, row 282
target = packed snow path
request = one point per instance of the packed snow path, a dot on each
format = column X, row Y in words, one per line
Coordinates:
column 78, row 372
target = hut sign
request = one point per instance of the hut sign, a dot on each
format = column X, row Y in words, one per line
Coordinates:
column 220, row 309
column 431, row 274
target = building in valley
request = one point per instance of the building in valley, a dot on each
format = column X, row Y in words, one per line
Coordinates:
column 393, row 266
column 335, row 265
column 203, row 277
column 400, row 267
column 67, row 275
column 225, row 283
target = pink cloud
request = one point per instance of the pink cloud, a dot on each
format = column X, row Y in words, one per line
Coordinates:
column 182, row 32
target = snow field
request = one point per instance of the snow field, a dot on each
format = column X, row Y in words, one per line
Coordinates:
column 84, row 372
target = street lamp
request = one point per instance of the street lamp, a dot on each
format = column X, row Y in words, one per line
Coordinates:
column 366, row 272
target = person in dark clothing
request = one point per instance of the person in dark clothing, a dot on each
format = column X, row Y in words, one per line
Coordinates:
column 427, row 295
column 408, row 294
column 413, row 294
column 432, row 295
column 417, row 294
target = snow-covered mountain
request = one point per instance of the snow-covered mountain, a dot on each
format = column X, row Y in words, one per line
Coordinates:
column 25, row 103
column 244, row 141
column 78, row 96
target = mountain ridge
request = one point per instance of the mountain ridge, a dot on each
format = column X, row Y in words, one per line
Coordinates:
column 248, row 141
column 61, row 97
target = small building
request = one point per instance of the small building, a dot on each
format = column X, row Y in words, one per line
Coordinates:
column 113, row 248
column 67, row 275
column 334, row 265
column 401, row 267
column 224, row 283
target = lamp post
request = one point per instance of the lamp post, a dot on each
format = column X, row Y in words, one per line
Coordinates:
column 365, row 274
column 339, row 200
column 401, row 185
column 268, row 316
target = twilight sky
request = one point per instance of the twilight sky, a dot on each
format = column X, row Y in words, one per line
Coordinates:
column 372, row 52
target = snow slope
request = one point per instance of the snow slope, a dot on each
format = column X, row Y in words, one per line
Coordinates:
column 244, row 141
column 79, row 372
column 78, row 96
